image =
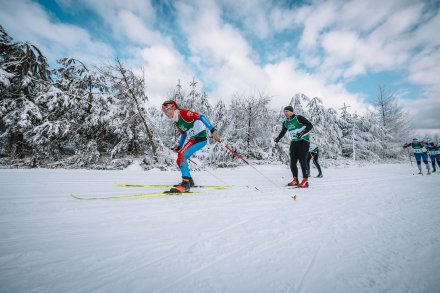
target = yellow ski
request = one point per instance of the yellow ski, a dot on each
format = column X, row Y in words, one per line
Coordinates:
column 134, row 195
column 171, row 186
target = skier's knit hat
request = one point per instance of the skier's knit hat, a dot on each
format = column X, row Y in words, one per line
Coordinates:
column 288, row 108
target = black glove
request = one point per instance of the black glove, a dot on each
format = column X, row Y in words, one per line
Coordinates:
column 299, row 134
column 176, row 149
column 277, row 140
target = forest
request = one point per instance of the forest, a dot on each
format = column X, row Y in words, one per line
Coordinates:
column 100, row 117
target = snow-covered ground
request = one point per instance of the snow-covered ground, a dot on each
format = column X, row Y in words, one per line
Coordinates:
column 370, row 229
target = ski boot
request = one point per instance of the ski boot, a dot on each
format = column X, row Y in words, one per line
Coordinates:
column 182, row 187
column 294, row 182
column 319, row 175
column 191, row 183
column 304, row 183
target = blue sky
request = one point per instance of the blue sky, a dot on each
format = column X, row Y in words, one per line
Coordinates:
column 339, row 51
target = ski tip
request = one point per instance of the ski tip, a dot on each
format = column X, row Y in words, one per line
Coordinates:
column 76, row 196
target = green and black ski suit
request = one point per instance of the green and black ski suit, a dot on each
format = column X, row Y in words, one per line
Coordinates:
column 298, row 127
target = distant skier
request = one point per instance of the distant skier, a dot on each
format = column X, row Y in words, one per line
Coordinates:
column 420, row 154
column 298, row 128
column 434, row 154
column 191, row 126
column 314, row 153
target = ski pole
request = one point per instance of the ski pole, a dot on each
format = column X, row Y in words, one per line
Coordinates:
column 409, row 155
column 244, row 160
column 216, row 177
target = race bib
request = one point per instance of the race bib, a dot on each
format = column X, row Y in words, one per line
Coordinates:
column 191, row 132
column 419, row 151
column 294, row 132
column 196, row 129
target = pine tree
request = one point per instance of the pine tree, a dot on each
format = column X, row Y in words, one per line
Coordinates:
column 78, row 107
column 333, row 135
column 250, row 117
column 297, row 103
column 24, row 74
column 346, row 124
column 130, row 125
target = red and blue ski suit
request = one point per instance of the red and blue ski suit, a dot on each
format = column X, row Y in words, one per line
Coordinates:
column 192, row 126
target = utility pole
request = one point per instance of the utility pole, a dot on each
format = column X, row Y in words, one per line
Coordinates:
column 193, row 84
column 354, row 128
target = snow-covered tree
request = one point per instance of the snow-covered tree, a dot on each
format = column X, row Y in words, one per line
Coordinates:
column 392, row 119
column 346, row 124
column 390, row 113
column 129, row 123
column 78, row 107
column 297, row 102
column 251, row 122
column 24, row 75
column 332, row 145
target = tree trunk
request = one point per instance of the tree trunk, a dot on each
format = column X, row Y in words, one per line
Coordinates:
column 147, row 129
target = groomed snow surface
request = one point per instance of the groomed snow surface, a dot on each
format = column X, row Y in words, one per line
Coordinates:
column 358, row 229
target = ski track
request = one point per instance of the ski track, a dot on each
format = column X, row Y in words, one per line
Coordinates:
column 176, row 252
column 336, row 215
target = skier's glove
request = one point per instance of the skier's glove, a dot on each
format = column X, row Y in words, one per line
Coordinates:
column 405, row 145
column 176, row 149
column 299, row 134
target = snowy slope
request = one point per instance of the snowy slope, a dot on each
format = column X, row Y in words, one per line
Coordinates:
column 370, row 229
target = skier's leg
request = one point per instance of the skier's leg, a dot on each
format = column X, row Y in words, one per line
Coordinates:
column 309, row 157
column 303, row 150
column 293, row 159
column 419, row 162
column 425, row 161
column 433, row 163
column 315, row 161
column 188, row 150
column 182, row 161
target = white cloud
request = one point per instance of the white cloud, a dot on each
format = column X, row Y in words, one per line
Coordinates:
column 109, row 9
column 132, row 27
column 208, row 36
column 225, row 61
column 423, row 113
column 285, row 80
column 340, row 40
column 132, row 23
column 164, row 67
column 55, row 39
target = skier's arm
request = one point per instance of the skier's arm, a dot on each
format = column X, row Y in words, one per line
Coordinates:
column 306, row 123
column 282, row 133
column 182, row 140
column 211, row 127
column 207, row 123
